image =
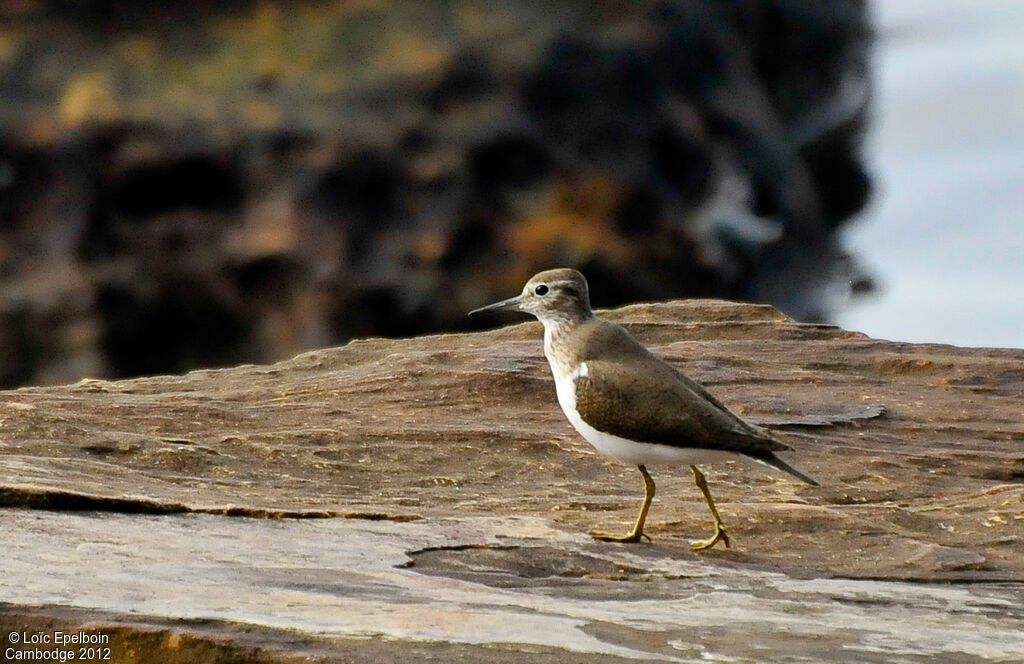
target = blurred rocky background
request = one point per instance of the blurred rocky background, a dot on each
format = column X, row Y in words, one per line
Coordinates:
column 196, row 183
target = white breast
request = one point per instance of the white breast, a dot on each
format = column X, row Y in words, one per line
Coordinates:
column 621, row 448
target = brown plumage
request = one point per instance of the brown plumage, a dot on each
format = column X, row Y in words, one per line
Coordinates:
column 640, row 397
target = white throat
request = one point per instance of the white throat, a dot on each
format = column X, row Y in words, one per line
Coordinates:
column 555, row 331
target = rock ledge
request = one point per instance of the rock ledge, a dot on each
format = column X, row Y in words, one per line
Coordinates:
column 423, row 499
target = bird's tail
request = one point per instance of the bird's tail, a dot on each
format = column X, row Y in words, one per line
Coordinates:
column 776, row 462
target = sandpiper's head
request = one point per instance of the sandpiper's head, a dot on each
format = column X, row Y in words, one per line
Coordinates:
column 559, row 295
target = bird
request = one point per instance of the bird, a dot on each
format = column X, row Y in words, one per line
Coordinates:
column 630, row 404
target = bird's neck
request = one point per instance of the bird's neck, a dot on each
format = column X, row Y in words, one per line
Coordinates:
column 558, row 331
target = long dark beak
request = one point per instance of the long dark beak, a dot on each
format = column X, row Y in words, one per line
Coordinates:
column 504, row 304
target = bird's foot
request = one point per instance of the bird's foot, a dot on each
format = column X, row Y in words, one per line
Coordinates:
column 719, row 536
column 624, row 539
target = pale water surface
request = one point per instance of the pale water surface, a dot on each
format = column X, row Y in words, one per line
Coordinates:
column 945, row 235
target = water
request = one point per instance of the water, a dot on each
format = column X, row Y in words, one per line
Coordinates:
column 945, row 234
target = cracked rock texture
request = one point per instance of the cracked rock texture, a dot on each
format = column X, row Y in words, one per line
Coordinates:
column 424, row 499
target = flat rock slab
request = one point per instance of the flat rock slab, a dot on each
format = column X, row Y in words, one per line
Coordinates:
column 424, row 499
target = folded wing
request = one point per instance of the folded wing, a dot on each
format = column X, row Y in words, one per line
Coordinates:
column 664, row 406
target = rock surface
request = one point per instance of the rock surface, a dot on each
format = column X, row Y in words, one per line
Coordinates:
column 424, row 500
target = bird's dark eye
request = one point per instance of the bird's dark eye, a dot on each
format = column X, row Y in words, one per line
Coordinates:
column 541, row 290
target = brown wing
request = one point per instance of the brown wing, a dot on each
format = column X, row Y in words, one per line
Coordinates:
column 657, row 405
column 693, row 385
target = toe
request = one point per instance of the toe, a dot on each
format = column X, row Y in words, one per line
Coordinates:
column 608, row 537
column 720, row 536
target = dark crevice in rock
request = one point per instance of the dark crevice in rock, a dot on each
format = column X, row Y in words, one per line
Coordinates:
column 378, row 516
column 459, row 547
column 76, row 502
column 67, row 501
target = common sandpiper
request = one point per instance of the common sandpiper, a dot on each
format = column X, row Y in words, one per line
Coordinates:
column 631, row 405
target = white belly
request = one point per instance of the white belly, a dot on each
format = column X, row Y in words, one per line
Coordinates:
column 621, row 448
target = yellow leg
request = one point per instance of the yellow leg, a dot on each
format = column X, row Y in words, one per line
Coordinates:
column 638, row 529
column 719, row 535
